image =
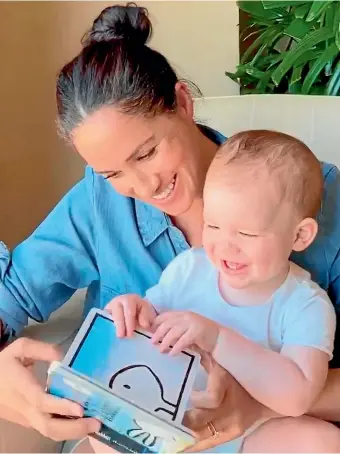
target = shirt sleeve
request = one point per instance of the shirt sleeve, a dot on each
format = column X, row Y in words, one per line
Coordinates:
column 334, row 293
column 163, row 296
column 331, row 215
column 44, row 271
column 310, row 323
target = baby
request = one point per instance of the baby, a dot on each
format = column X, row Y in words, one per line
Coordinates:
column 240, row 298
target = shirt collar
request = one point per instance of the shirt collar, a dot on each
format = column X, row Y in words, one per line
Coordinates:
column 150, row 220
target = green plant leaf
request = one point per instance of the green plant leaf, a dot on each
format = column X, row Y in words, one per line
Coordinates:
column 249, row 91
column 330, row 14
column 309, row 55
column 336, row 18
column 295, row 89
column 270, row 4
column 311, row 40
column 244, row 37
column 319, row 90
column 336, row 25
column 297, row 29
column 240, row 76
column 269, row 43
column 333, row 85
column 231, row 76
column 268, row 61
column 256, row 9
column 263, row 82
column 319, row 64
column 256, row 73
column 329, row 68
column 236, row 75
column 296, row 74
column 317, row 9
column 247, row 68
column 267, row 37
column 301, row 11
column 263, row 22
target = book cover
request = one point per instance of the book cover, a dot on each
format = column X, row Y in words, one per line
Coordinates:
column 139, row 394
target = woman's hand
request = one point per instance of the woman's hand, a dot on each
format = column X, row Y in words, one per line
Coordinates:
column 226, row 405
column 23, row 400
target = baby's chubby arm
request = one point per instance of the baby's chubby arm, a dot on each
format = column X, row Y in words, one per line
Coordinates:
column 287, row 382
column 129, row 311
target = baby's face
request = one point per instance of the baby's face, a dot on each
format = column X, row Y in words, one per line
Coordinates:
column 249, row 230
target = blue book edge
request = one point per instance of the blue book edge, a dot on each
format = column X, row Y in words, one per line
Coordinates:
column 125, row 427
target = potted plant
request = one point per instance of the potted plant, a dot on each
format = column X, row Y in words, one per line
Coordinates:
column 295, row 47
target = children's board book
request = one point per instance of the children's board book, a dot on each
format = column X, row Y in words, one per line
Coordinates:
column 139, row 394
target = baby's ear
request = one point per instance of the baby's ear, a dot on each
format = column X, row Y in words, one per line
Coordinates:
column 305, row 234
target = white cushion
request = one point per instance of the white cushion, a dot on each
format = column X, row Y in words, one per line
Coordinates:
column 313, row 119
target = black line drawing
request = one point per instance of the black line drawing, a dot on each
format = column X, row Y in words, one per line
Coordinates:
column 150, row 434
column 174, row 406
column 155, row 380
column 148, row 439
column 185, row 379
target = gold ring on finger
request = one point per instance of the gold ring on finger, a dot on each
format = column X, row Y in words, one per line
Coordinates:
column 212, row 429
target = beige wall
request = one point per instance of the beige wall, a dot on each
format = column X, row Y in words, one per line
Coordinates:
column 36, row 38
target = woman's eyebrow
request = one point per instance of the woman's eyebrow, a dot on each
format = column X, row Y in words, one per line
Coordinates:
column 132, row 155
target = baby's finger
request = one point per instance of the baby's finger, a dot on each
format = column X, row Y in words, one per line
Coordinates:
column 184, row 341
column 171, row 338
column 160, row 332
column 147, row 316
column 164, row 317
column 119, row 319
column 130, row 316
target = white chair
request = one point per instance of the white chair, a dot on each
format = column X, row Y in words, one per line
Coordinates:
column 313, row 119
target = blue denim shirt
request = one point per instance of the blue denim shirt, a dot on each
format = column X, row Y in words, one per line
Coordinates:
column 112, row 244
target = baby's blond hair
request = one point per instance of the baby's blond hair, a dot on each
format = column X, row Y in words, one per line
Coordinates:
column 295, row 168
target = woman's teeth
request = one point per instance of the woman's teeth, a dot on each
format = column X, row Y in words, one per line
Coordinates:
column 167, row 191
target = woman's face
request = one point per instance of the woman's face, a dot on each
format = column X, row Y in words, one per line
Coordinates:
column 154, row 159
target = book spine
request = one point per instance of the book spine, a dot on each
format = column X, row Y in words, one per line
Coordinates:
column 124, row 427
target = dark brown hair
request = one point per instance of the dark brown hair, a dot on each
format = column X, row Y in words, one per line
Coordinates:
column 115, row 68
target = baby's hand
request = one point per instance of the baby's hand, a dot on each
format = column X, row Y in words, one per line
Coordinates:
column 128, row 311
column 184, row 329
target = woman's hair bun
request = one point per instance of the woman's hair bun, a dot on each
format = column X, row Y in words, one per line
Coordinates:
column 118, row 22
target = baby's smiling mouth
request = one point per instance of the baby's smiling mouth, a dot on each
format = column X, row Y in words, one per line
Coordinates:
column 230, row 267
column 234, row 265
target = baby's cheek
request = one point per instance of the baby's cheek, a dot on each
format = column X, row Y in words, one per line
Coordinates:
column 263, row 256
column 272, row 257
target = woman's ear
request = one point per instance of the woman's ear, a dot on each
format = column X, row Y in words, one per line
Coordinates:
column 305, row 234
column 184, row 101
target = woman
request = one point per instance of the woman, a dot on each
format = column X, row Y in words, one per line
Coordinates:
column 124, row 110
